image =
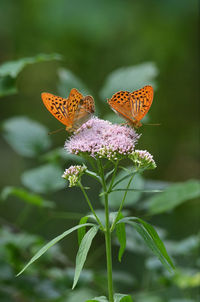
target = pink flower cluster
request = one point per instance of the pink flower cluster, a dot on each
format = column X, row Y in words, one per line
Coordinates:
column 73, row 174
column 143, row 159
column 101, row 138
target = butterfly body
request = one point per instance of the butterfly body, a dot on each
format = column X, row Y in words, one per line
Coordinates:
column 72, row 111
column 132, row 106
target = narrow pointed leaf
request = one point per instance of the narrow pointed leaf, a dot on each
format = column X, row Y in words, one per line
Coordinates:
column 83, row 251
column 93, row 174
column 109, row 173
column 51, row 243
column 81, row 231
column 154, row 235
column 121, row 236
column 152, row 239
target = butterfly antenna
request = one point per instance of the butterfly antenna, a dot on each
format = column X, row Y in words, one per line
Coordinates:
column 152, row 124
column 56, row 131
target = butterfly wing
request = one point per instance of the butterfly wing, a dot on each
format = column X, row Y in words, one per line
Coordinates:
column 120, row 103
column 57, row 106
column 84, row 111
column 141, row 101
column 79, row 108
column 72, row 111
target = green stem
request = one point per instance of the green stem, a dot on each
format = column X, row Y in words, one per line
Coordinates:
column 107, row 237
column 123, row 178
column 113, row 177
column 122, row 203
column 92, row 163
column 90, row 205
column 108, row 252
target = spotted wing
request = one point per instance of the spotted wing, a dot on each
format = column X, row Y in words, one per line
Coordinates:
column 141, row 101
column 84, row 111
column 72, row 111
column 121, row 104
column 57, row 106
column 73, row 104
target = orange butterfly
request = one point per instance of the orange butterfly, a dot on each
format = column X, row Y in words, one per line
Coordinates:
column 132, row 106
column 72, row 111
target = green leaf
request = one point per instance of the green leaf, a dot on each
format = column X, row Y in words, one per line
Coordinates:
column 173, row 196
column 93, row 175
column 122, row 298
column 44, row 179
column 152, row 240
column 81, row 232
column 109, row 173
column 10, row 70
column 67, row 81
column 26, row 196
column 13, row 68
column 129, row 78
column 50, row 244
column 98, row 299
column 25, row 136
column 83, row 251
column 121, row 236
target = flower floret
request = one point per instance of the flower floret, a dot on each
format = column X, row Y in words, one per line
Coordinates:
column 73, row 174
column 143, row 159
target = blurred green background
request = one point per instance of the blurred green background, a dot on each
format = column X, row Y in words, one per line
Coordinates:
column 82, row 44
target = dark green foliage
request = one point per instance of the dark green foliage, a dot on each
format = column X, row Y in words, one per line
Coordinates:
column 105, row 46
column 9, row 71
